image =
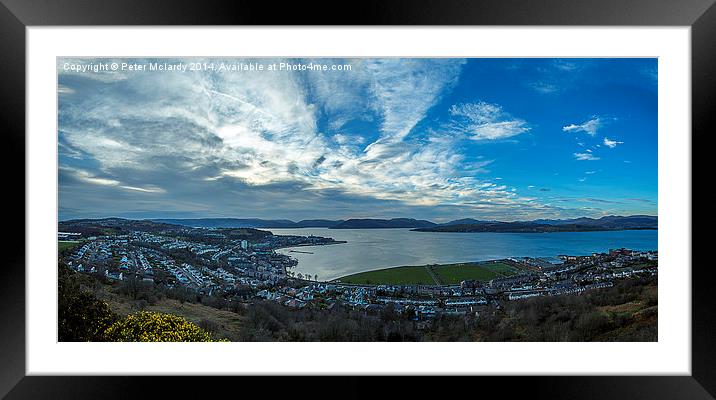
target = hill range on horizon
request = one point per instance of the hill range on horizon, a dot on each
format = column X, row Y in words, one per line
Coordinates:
column 459, row 225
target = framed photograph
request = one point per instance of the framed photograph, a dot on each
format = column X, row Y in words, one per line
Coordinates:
column 456, row 189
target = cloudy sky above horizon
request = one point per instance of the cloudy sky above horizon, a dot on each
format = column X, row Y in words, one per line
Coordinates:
column 438, row 139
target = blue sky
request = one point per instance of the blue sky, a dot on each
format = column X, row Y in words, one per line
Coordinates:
column 440, row 139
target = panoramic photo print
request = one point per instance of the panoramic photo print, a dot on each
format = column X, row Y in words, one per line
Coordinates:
column 361, row 199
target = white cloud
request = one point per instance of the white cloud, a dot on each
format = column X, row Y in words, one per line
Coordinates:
column 585, row 157
column 149, row 189
column 402, row 91
column 611, row 143
column 62, row 89
column 565, row 65
column 346, row 140
column 590, row 127
column 544, row 87
column 486, row 121
column 88, row 177
column 263, row 129
column 405, row 89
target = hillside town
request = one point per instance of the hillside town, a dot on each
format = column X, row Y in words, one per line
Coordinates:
column 213, row 261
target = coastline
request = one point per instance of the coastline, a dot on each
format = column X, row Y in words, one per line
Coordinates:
column 378, row 249
column 433, row 230
column 310, row 245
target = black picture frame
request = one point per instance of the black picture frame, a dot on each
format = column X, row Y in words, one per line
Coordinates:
column 16, row 15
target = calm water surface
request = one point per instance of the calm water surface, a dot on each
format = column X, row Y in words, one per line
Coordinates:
column 369, row 249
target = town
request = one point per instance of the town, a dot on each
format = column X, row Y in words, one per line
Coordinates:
column 243, row 265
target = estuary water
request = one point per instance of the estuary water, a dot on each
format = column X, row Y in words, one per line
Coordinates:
column 369, row 249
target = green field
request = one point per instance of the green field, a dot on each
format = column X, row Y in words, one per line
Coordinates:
column 391, row 276
column 500, row 268
column 447, row 274
column 455, row 273
column 64, row 245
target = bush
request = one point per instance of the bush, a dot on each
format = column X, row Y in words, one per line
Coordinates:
column 81, row 317
column 209, row 326
column 141, row 305
column 155, row 327
column 591, row 324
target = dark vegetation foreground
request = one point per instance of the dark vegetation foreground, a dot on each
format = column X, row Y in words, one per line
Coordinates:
column 94, row 309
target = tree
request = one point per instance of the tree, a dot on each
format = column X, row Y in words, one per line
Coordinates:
column 81, row 317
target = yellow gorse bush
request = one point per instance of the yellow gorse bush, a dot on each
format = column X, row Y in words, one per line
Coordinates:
column 146, row 326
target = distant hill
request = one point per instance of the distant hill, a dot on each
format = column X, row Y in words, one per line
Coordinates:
column 634, row 221
column 466, row 221
column 113, row 226
column 369, row 223
column 317, row 223
column 119, row 225
column 249, row 223
column 609, row 223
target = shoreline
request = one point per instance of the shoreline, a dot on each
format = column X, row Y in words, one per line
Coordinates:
column 310, row 245
column 350, row 259
column 431, row 230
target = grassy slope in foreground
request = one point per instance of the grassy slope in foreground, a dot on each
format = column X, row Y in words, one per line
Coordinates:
column 448, row 274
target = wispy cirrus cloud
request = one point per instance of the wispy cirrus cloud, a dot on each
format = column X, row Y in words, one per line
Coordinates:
column 93, row 179
column 406, row 88
column 585, row 156
column 485, row 121
column 88, row 177
column 589, row 127
column 611, row 143
column 170, row 134
column 64, row 90
column 544, row 87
